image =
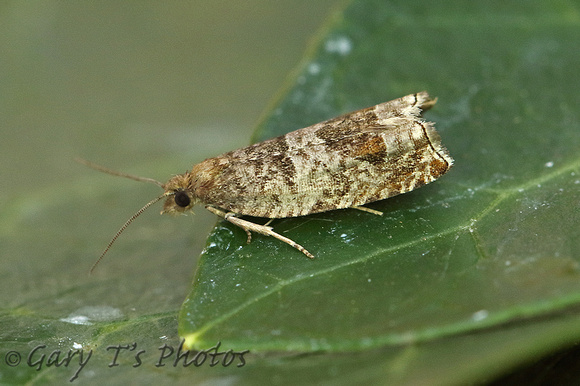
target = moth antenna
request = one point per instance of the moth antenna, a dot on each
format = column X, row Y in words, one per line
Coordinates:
column 127, row 223
column 103, row 169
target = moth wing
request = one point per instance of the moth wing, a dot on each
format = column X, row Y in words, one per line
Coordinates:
column 351, row 160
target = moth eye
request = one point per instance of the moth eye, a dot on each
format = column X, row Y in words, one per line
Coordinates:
column 182, row 199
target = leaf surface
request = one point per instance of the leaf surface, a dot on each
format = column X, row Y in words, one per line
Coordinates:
column 493, row 243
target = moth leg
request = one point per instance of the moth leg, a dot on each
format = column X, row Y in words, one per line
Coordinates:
column 231, row 214
column 226, row 216
column 248, row 232
column 368, row 210
column 249, row 226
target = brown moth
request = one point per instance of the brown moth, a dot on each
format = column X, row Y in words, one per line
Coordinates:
column 344, row 162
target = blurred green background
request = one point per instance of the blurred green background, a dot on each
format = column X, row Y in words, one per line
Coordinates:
column 145, row 87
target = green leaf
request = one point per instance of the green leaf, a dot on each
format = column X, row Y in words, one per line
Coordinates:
column 461, row 271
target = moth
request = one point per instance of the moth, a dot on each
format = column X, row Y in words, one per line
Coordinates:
column 344, row 162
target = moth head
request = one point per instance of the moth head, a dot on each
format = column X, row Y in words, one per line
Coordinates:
column 180, row 196
column 179, row 201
